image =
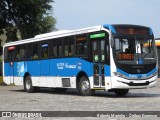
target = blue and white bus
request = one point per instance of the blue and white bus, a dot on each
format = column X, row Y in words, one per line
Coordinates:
column 106, row 57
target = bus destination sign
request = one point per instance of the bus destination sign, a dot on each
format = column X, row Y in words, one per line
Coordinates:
column 124, row 56
column 132, row 31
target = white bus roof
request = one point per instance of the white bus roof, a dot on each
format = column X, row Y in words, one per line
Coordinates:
column 56, row 34
column 52, row 33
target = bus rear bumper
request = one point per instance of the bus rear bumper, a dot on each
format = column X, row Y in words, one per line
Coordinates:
column 121, row 83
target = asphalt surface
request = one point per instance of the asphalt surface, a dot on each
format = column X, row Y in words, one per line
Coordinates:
column 14, row 98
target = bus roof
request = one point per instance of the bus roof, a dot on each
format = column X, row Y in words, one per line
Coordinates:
column 55, row 34
column 62, row 33
column 52, row 33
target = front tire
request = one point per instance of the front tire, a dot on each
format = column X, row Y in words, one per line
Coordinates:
column 28, row 85
column 121, row 92
column 84, row 87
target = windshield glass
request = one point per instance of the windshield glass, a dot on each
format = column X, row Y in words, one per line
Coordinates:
column 139, row 50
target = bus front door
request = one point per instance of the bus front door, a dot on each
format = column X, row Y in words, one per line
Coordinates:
column 98, row 48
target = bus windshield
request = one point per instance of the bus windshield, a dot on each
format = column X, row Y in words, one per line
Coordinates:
column 139, row 50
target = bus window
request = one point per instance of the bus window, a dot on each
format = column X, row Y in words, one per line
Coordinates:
column 23, row 52
column 59, row 46
column 81, row 45
column 17, row 53
column 53, row 52
column 71, row 46
column 68, row 46
column 9, row 54
column 44, row 50
column 35, row 54
column 29, row 52
column 20, row 52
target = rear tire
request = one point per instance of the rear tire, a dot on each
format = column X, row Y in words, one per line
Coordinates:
column 28, row 85
column 121, row 92
column 84, row 87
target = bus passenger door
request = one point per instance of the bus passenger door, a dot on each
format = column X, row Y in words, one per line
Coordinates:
column 98, row 57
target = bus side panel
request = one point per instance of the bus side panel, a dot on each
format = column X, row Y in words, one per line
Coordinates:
column 33, row 68
column 107, row 77
column 107, row 71
column 68, row 68
column 20, row 68
column 14, row 73
column 7, row 69
column 8, row 73
column 44, row 67
column 45, row 73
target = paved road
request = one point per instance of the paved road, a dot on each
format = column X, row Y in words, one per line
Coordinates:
column 14, row 98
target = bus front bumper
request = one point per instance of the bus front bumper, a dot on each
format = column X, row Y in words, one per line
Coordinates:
column 122, row 83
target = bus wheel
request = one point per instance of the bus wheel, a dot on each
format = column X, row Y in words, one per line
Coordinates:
column 28, row 85
column 121, row 92
column 84, row 87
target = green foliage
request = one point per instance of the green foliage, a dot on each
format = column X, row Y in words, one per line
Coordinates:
column 30, row 17
column 11, row 34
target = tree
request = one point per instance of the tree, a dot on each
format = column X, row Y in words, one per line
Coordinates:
column 30, row 17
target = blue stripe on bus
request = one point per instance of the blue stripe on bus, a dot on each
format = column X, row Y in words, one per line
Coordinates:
column 110, row 27
column 137, row 75
column 65, row 67
column 107, row 71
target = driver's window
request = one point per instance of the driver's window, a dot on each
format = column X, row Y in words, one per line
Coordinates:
column 125, row 46
column 117, row 44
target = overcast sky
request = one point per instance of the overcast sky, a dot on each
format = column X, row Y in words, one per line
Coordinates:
column 76, row 14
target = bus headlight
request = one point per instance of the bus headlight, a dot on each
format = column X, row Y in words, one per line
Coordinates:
column 154, row 74
column 118, row 74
